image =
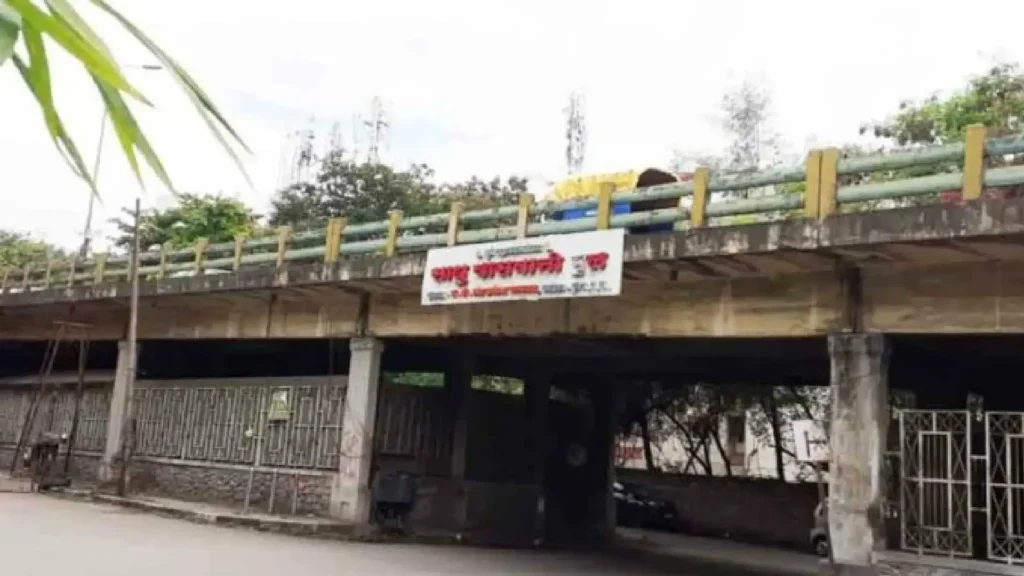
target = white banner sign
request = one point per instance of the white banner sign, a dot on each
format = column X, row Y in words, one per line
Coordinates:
column 560, row 266
column 811, row 442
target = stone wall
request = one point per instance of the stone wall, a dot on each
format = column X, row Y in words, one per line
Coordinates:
column 760, row 511
column 274, row 491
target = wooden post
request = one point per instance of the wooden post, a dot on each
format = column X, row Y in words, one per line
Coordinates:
column 974, row 162
column 523, row 216
column 699, row 206
column 827, row 202
column 284, row 235
column 812, row 194
column 604, row 206
column 394, row 225
column 332, row 243
column 454, row 215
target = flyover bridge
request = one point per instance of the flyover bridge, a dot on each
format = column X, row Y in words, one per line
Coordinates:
column 794, row 275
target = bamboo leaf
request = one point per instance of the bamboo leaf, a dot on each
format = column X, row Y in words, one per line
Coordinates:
column 131, row 136
column 92, row 57
column 63, row 10
column 213, row 118
column 36, row 75
column 10, row 25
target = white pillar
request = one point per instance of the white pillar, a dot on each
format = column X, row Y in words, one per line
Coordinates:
column 350, row 495
column 108, row 469
column 857, row 477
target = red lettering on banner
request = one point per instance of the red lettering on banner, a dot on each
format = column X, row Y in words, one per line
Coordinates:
column 552, row 264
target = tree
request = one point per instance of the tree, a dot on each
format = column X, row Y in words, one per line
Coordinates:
column 193, row 217
column 17, row 250
column 27, row 23
column 362, row 192
column 367, row 191
column 995, row 99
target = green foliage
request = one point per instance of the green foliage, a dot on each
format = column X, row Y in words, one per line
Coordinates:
column 17, row 250
column 193, row 217
column 995, row 99
column 33, row 25
column 366, row 192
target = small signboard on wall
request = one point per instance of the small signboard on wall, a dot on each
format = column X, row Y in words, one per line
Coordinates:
column 812, row 444
column 581, row 265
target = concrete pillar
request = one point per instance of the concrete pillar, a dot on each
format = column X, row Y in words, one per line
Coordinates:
column 458, row 383
column 538, row 398
column 108, row 470
column 859, row 426
column 350, row 494
column 608, row 405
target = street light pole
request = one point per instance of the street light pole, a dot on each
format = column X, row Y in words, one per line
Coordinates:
column 87, row 232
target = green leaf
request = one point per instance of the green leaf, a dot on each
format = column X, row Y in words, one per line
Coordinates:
column 96, row 62
column 36, row 75
column 10, row 25
column 130, row 135
column 204, row 105
column 63, row 10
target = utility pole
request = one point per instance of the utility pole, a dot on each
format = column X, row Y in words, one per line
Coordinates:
column 575, row 134
column 128, row 436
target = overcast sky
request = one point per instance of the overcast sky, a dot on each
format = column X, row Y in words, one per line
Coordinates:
column 478, row 87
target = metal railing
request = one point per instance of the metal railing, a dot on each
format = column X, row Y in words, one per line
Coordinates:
column 823, row 177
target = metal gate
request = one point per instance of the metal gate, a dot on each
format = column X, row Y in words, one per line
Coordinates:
column 935, row 482
column 1004, row 456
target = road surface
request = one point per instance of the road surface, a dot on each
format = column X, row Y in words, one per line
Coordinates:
column 43, row 536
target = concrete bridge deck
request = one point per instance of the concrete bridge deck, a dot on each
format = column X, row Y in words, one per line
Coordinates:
column 943, row 268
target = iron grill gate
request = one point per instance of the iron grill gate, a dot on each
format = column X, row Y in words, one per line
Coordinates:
column 935, row 482
column 1004, row 451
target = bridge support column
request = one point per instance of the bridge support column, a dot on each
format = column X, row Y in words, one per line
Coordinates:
column 859, row 424
column 350, row 495
column 108, row 469
column 458, row 382
column 538, row 397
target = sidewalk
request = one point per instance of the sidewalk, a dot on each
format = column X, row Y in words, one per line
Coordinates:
column 221, row 515
column 719, row 552
column 8, row 484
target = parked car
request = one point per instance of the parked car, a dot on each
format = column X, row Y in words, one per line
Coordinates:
column 636, row 508
column 819, row 533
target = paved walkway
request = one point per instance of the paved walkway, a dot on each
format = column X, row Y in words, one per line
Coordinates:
column 721, row 552
column 50, row 536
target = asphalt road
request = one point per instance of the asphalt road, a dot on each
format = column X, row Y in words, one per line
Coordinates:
column 43, row 536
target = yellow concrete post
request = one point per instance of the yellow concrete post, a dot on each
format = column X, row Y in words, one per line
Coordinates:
column 284, row 236
column 699, row 206
column 332, row 242
column 604, row 205
column 162, row 272
column 394, row 226
column 26, row 276
column 454, row 216
column 99, row 268
column 200, row 251
column 239, row 251
column 827, row 202
column 4, row 279
column 523, row 216
column 48, row 276
column 974, row 162
column 72, row 270
column 812, row 194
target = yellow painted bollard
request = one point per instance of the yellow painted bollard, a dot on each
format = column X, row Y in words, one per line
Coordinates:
column 454, row 217
column 332, row 243
column 199, row 264
column 974, row 162
column 699, row 205
column 239, row 250
column 284, row 236
column 100, row 268
column 394, row 226
column 812, row 193
column 828, row 204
